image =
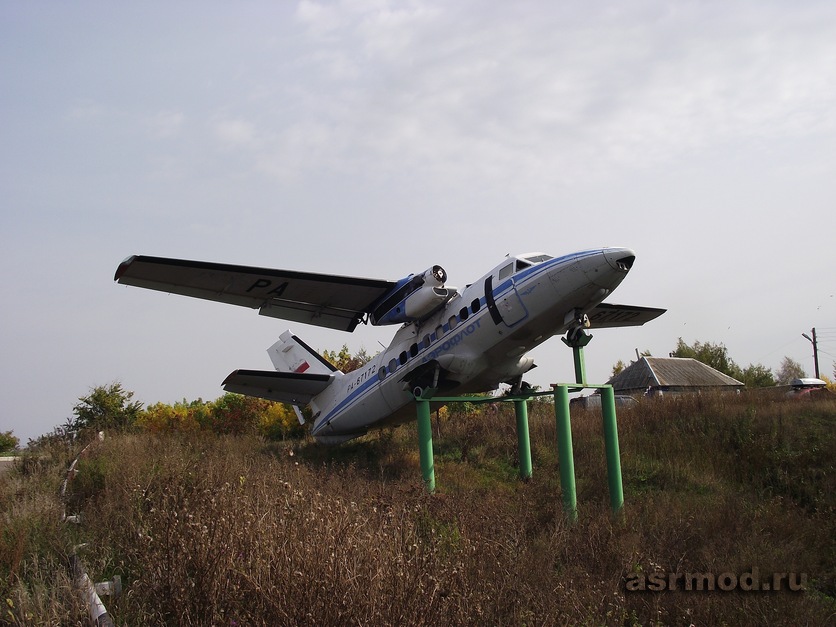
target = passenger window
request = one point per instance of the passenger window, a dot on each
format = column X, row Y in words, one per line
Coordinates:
column 427, row 341
column 453, row 322
column 439, row 331
column 413, row 350
column 402, row 358
column 474, row 306
column 393, row 365
column 381, row 374
column 506, row 271
column 464, row 313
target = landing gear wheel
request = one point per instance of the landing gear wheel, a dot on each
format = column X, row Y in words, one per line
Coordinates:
column 574, row 333
column 519, row 387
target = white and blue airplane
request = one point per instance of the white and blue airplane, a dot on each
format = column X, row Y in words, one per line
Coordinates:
column 451, row 341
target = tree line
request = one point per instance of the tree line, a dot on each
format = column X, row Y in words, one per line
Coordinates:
column 111, row 406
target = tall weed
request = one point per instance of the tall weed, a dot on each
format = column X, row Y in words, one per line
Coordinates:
column 231, row 530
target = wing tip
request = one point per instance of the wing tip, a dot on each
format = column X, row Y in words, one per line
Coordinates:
column 228, row 377
column 123, row 267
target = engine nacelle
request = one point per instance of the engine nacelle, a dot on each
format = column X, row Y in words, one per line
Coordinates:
column 425, row 301
column 435, row 276
column 415, row 298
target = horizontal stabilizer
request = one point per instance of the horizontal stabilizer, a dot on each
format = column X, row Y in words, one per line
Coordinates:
column 286, row 387
column 605, row 315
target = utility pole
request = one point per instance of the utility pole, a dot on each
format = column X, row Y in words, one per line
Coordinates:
column 815, row 350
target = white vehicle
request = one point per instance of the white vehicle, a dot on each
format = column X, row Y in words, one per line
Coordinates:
column 451, row 341
column 807, row 383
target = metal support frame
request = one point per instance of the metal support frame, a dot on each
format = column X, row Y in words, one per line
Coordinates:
column 425, row 437
column 560, row 392
column 576, row 339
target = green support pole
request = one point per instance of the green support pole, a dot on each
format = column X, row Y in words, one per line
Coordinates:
column 580, row 365
column 611, row 446
column 425, row 444
column 564, row 451
column 523, row 442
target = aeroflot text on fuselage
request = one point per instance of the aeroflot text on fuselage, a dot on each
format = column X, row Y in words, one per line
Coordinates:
column 456, row 339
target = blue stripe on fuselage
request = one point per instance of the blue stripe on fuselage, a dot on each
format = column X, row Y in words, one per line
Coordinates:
column 522, row 277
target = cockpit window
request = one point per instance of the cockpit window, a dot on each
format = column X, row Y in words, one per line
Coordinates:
column 538, row 258
column 521, row 263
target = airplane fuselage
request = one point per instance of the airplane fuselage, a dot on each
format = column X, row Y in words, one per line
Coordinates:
column 477, row 341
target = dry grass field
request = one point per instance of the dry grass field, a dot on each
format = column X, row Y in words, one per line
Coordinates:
column 211, row 530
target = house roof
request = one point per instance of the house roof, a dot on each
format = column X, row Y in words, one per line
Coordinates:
column 670, row 372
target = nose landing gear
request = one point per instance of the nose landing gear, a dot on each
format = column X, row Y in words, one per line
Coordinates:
column 576, row 338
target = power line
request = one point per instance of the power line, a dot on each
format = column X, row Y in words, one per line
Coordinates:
column 760, row 359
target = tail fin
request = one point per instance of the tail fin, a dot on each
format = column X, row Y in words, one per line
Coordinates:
column 290, row 354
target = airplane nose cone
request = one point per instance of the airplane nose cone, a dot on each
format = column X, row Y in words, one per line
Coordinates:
column 610, row 267
column 620, row 259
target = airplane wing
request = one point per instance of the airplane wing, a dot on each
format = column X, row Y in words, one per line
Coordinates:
column 605, row 315
column 286, row 387
column 336, row 302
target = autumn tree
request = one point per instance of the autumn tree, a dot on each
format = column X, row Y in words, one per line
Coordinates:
column 789, row 370
column 757, row 376
column 278, row 422
column 236, row 414
column 717, row 356
column 620, row 366
column 345, row 361
column 8, row 442
column 177, row 418
column 714, row 355
column 106, row 407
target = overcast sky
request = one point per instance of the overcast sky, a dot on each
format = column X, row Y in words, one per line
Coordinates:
column 375, row 139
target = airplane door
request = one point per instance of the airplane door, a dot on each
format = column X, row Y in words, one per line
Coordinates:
column 508, row 308
column 511, row 308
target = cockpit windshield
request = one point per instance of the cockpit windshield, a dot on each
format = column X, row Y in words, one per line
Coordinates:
column 521, row 262
column 537, row 258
